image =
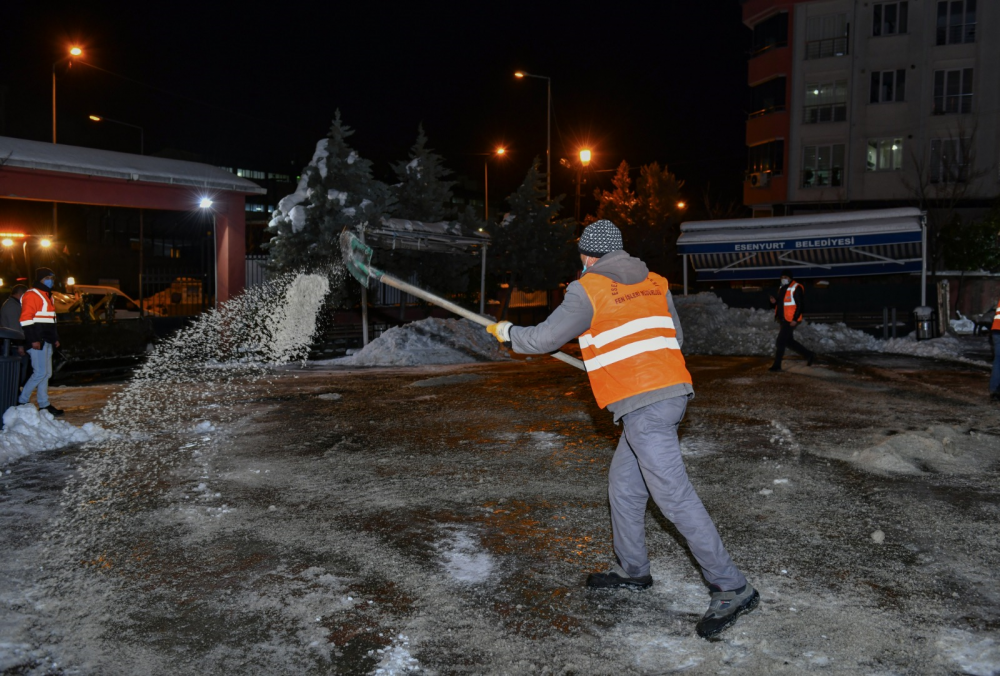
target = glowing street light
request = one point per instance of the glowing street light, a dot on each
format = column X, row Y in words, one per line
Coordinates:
column 682, row 205
column 206, row 203
column 73, row 51
column 499, row 152
column 548, row 131
column 45, row 242
column 584, row 157
column 7, row 241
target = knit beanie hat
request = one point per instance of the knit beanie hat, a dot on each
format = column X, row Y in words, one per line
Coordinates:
column 42, row 273
column 599, row 238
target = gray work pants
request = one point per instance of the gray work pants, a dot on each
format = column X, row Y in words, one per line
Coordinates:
column 648, row 463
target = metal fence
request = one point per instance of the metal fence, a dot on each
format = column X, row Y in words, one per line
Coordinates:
column 176, row 293
column 256, row 270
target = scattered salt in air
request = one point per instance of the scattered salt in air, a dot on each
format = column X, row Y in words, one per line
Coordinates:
column 766, row 491
column 878, row 537
column 781, row 481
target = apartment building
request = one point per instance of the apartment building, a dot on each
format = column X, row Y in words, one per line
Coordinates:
column 860, row 105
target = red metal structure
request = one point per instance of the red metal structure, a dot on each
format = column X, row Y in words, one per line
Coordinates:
column 46, row 172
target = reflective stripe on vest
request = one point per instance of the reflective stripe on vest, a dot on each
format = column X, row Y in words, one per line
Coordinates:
column 790, row 301
column 996, row 320
column 43, row 316
column 631, row 346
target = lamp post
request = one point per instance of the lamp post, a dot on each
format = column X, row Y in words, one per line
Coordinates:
column 499, row 152
column 584, row 163
column 206, row 203
column 548, row 131
column 73, row 51
column 142, row 151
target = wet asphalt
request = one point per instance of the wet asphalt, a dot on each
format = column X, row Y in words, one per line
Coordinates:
column 443, row 520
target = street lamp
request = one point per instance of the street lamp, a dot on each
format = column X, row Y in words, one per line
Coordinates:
column 584, row 163
column 548, row 131
column 499, row 152
column 206, row 203
column 142, row 151
column 74, row 51
column 682, row 205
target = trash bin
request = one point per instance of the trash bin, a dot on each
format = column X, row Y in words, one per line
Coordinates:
column 925, row 321
column 10, row 370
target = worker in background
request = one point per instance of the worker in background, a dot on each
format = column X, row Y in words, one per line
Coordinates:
column 995, row 339
column 10, row 318
column 631, row 337
column 788, row 314
column 38, row 321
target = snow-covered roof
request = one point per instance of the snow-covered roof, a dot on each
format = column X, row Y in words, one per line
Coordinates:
column 444, row 236
column 67, row 159
column 847, row 243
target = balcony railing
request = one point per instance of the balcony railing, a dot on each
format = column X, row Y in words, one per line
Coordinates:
column 952, row 104
column 821, row 178
column 777, row 108
column 757, row 50
column 828, row 112
column 821, row 49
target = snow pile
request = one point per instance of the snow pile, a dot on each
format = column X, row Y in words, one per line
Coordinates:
column 397, row 659
column 940, row 449
column 27, row 430
column 430, row 341
column 712, row 327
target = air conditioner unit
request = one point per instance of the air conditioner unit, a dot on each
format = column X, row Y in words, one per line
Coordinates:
column 760, row 179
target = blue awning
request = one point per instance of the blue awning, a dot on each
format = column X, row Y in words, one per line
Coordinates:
column 886, row 241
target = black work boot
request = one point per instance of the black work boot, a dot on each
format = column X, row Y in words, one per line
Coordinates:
column 725, row 609
column 53, row 410
column 617, row 578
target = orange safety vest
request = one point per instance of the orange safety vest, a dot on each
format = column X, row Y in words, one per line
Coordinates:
column 996, row 320
column 790, row 301
column 631, row 346
column 37, row 308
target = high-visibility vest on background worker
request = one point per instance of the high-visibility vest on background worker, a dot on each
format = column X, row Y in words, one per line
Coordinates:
column 790, row 301
column 996, row 319
column 631, row 346
column 37, row 308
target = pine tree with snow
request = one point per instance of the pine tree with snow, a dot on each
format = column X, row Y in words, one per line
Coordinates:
column 531, row 243
column 336, row 190
column 424, row 193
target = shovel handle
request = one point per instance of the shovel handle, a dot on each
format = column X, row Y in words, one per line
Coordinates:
column 462, row 312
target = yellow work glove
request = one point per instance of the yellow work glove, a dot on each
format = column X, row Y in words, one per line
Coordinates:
column 501, row 331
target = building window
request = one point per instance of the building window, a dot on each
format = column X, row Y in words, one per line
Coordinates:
column 888, row 86
column 889, row 18
column 250, row 173
column 254, row 207
column 949, row 160
column 768, row 97
column 826, row 102
column 956, row 22
column 823, row 166
column 952, row 91
column 767, row 158
column 826, row 36
column 280, row 177
column 885, row 154
column 770, row 33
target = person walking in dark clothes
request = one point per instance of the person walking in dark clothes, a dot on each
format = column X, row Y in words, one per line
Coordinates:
column 995, row 340
column 788, row 314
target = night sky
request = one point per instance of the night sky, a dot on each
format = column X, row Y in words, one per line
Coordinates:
column 256, row 84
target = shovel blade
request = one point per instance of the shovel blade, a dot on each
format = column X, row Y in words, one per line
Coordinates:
column 357, row 257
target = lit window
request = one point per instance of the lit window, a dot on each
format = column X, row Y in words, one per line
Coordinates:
column 249, row 206
column 884, row 154
column 823, row 166
column 888, row 86
column 889, row 18
column 826, row 36
column 766, row 158
column 826, row 102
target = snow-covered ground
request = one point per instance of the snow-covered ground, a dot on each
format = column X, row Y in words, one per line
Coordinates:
column 712, row 327
column 443, row 519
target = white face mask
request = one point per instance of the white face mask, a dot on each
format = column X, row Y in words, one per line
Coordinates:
column 785, row 281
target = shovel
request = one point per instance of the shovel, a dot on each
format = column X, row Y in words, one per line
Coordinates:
column 358, row 259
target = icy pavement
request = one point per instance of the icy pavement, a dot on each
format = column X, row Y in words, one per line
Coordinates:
column 337, row 521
